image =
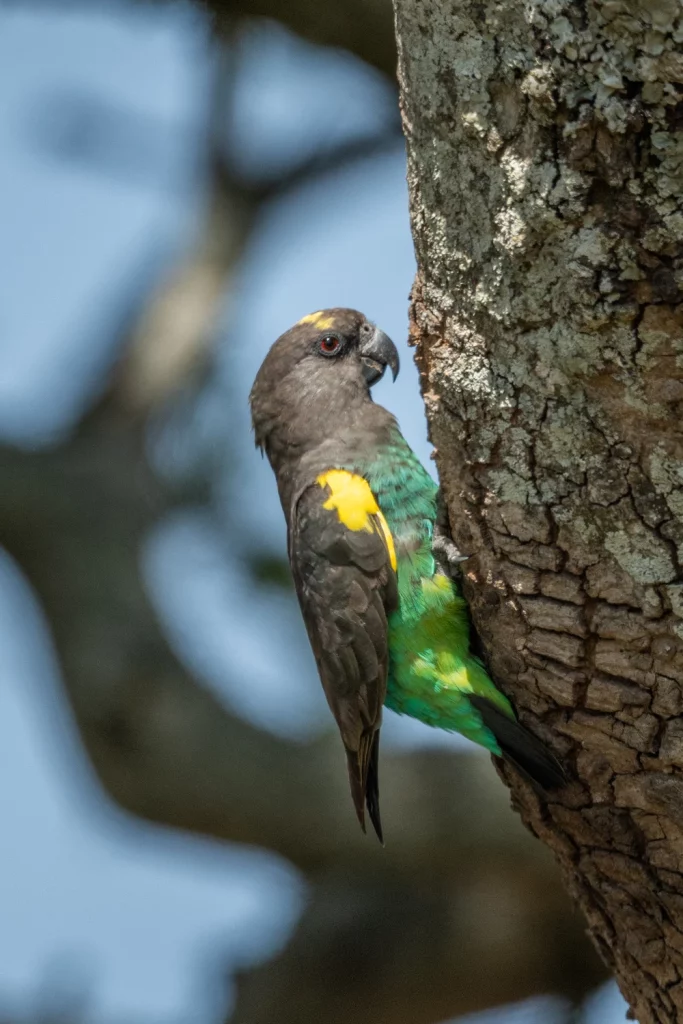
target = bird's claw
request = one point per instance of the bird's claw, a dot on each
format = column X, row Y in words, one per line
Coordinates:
column 447, row 551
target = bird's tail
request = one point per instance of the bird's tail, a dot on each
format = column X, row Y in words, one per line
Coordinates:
column 364, row 779
column 524, row 750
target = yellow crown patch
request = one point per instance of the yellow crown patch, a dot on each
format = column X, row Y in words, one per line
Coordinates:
column 324, row 323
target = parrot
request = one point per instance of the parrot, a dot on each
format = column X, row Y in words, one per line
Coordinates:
column 386, row 619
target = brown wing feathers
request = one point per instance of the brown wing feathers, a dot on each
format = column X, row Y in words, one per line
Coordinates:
column 346, row 587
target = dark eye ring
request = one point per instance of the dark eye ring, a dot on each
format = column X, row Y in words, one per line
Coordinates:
column 330, row 345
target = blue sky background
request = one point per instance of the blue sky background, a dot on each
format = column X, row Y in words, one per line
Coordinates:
column 146, row 921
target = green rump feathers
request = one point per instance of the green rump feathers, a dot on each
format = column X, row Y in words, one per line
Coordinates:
column 431, row 671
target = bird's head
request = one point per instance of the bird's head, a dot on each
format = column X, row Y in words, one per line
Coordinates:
column 317, row 376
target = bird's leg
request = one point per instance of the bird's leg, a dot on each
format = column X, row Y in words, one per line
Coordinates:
column 445, row 550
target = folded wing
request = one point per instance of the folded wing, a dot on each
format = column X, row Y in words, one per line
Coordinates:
column 346, row 585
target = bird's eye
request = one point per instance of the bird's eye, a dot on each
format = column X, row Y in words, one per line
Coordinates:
column 330, row 345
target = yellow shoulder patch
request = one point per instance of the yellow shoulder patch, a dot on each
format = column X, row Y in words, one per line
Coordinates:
column 324, row 323
column 351, row 496
column 356, row 505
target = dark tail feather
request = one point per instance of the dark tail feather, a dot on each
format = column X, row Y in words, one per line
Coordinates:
column 356, row 783
column 364, row 779
column 531, row 757
column 372, row 788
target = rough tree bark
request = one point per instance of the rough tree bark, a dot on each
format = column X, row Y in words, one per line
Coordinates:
column 545, row 150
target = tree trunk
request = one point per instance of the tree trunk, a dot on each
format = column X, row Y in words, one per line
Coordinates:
column 545, row 145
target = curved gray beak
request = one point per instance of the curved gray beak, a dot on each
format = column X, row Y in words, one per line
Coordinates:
column 377, row 352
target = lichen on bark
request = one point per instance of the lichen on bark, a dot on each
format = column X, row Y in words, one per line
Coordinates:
column 545, row 145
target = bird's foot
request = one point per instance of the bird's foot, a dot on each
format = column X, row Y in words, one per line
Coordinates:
column 446, row 551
